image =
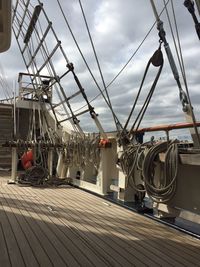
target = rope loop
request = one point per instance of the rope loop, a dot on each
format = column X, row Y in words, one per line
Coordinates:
column 161, row 188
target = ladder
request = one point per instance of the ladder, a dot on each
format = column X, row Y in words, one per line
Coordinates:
column 40, row 48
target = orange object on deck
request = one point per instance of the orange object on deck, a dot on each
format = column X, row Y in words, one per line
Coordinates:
column 26, row 159
column 104, row 143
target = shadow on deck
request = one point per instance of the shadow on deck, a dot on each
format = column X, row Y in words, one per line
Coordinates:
column 65, row 226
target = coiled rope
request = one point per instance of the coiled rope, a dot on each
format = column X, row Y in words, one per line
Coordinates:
column 128, row 161
column 161, row 189
column 35, row 175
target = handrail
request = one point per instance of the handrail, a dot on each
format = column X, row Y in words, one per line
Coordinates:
column 168, row 127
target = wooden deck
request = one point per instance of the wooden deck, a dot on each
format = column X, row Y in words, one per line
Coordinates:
column 66, row 226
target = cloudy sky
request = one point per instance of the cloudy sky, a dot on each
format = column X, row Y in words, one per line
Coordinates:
column 117, row 28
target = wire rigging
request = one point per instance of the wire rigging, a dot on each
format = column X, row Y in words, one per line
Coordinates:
column 79, row 49
column 45, row 55
column 181, row 64
column 4, row 84
column 117, row 123
column 129, row 60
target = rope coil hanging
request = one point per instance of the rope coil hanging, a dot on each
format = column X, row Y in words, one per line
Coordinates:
column 161, row 189
column 128, row 162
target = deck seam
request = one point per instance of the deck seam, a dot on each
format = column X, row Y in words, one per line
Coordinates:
column 49, row 213
column 137, row 249
column 44, row 233
column 14, row 236
column 97, row 254
column 139, row 233
column 5, row 243
column 113, row 235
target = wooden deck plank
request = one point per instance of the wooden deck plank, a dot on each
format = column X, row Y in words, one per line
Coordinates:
column 172, row 248
column 158, row 256
column 53, row 246
column 183, row 261
column 4, row 255
column 86, row 257
column 70, row 227
column 118, row 259
column 23, row 243
column 121, row 246
column 14, row 252
column 130, row 218
column 23, row 220
column 135, row 217
column 127, row 241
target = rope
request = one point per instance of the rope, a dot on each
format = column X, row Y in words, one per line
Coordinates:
column 156, row 60
column 116, row 120
column 34, row 176
column 82, row 151
column 128, row 163
column 44, row 52
column 78, row 47
column 4, row 84
column 184, row 77
column 161, row 189
column 185, row 99
column 129, row 60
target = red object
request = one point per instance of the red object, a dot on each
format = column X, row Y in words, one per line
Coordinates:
column 26, row 159
column 27, row 165
column 104, row 143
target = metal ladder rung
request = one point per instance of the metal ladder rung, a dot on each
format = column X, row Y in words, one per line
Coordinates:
column 48, row 58
column 24, row 48
column 68, row 98
column 14, row 10
column 76, row 115
column 23, row 18
column 39, row 45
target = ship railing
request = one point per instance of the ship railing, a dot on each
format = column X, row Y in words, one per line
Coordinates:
column 167, row 128
column 29, row 88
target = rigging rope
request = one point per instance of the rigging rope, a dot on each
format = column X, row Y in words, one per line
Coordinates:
column 128, row 162
column 45, row 48
column 78, row 47
column 161, row 189
column 34, row 176
column 189, row 4
column 157, row 61
column 4, row 84
column 129, row 60
column 80, row 152
column 45, row 55
column 182, row 67
column 116, row 120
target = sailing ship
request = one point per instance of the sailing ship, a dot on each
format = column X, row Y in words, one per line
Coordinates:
column 44, row 142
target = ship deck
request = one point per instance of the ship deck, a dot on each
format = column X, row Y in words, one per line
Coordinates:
column 66, row 226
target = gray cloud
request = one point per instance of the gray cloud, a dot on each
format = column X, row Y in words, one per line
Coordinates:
column 117, row 28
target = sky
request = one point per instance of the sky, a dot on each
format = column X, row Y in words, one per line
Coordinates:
column 117, row 28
